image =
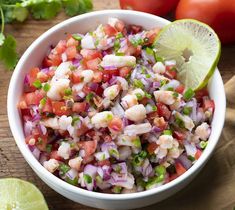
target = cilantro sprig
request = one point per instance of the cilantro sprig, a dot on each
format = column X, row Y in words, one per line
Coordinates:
column 20, row 10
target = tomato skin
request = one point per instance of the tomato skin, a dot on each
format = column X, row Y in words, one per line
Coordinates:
column 180, row 89
column 33, row 98
column 92, row 64
column 60, row 47
column 79, row 107
column 179, row 135
column 219, row 14
column 109, row 30
column 55, row 59
column 90, row 54
column 48, row 106
column 71, row 42
column 104, row 162
column 76, row 77
column 54, row 155
column 198, row 154
column 209, row 104
column 152, row 147
column 179, row 168
column 88, row 146
column 71, row 52
column 97, row 77
column 124, row 71
column 40, row 140
column 156, row 7
column 163, row 111
column 59, row 108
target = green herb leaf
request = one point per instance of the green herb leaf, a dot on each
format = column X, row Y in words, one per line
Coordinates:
column 64, row 168
column 37, row 84
column 46, row 87
column 87, row 178
column 8, row 52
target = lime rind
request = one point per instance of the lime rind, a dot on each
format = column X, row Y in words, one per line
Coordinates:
column 199, row 39
column 19, row 194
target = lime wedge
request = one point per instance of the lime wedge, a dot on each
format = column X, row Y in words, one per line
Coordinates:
column 16, row 194
column 195, row 47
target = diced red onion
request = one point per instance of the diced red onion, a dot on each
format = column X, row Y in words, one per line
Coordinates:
column 26, row 79
column 149, row 108
column 156, row 85
column 117, row 110
column 137, row 129
column 124, row 152
column 109, row 67
column 36, row 152
column 185, row 161
column 82, row 153
column 28, row 127
column 118, row 166
column 72, row 174
column 77, row 62
column 170, row 63
column 146, row 168
column 126, row 182
column 107, row 146
column 113, row 80
column 190, row 148
column 156, row 129
column 43, row 157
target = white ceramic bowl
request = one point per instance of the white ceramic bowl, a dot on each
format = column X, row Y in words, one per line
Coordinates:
column 33, row 57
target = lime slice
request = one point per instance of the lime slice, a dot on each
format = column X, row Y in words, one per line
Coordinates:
column 16, row 194
column 195, row 47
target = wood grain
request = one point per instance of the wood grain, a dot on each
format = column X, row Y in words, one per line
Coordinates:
column 12, row 164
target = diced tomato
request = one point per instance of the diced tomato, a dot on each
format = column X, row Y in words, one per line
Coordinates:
column 55, row 59
column 51, row 73
column 99, row 91
column 60, row 47
column 104, row 163
column 33, row 75
column 112, row 72
column 79, row 107
column 134, row 29
column 82, row 130
column 180, row 89
column 90, row 54
column 151, row 35
column 172, row 177
column 40, row 141
column 198, row 154
column 71, row 42
column 106, row 77
column 144, row 101
column 170, row 72
column 97, row 77
column 59, row 108
column 22, row 103
column 86, row 89
column 54, row 155
column 48, row 106
column 109, row 30
column 88, row 146
column 201, row 93
column 33, row 98
column 179, row 168
column 71, row 52
column 76, row 77
column 120, row 26
column 116, row 124
column 124, row 71
column 179, row 135
column 163, row 111
column 47, row 62
column 42, row 77
column 209, row 104
column 92, row 64
column 160, row 123
column 152, row 147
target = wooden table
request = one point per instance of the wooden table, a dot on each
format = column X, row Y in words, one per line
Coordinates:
column 12, row 163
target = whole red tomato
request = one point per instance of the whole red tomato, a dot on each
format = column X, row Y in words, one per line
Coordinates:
column 219, row 14
column 156, row 7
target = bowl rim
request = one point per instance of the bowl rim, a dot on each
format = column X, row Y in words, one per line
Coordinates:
column 39, row 169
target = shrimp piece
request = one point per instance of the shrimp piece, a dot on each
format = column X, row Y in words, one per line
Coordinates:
column 118, row 61
column 165, row 141
column 136, row 113
column 51, row 165
column 129, row 101
column 75, row 163
column 111, row 92
column 63, row 70
column 51, row 123
column 165, row 97
column 138, row 91
column 159, row 68
column 203, row 131
column 102, row 119
column 64, row 150
column 87, row 75
column 57, row 88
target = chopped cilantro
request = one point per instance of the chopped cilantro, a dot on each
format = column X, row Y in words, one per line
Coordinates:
column 138, row 84
column 87, row 178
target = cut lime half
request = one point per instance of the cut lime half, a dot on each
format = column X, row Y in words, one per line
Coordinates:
column 195, row 47
column 18, row 194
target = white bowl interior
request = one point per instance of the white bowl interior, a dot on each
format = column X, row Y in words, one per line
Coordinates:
column 33, row 57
